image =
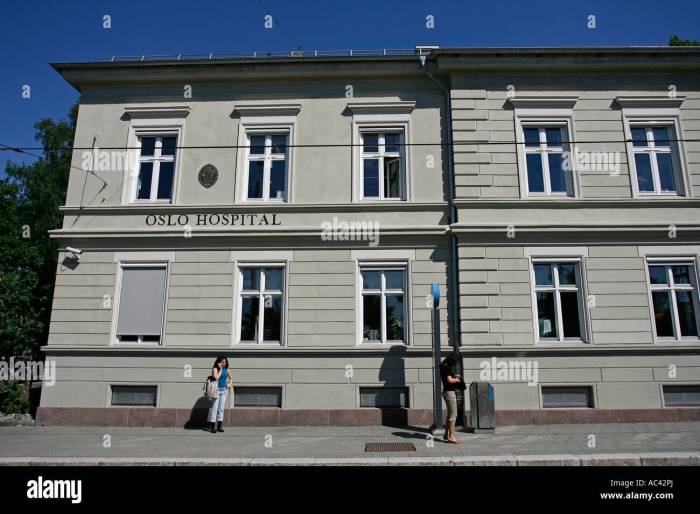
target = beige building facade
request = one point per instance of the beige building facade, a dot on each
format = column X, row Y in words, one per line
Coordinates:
column 292, row 213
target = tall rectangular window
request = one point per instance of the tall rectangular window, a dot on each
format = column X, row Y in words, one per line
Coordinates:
column 383, row 303
column 674, row 297
column 261, row 304
column 267, row 165
column 156, row 174
column 559, row 300
column 141, row 303
column 544, row 153
column 383, row 167
column 655, row 159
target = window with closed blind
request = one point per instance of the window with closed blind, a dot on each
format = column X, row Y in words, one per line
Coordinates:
column 257, row 397
column 141, row 303
column 384, row 397
column 134, row 395
column 681, row 395
column 567, row 397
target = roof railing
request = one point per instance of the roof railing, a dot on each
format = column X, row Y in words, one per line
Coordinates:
column 419, row 50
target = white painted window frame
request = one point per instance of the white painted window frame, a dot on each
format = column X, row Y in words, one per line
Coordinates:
column 672, row 123
column 544, row 149
column 156, row 159
column 546, row 119
column 579, row 288
column 148, row 126
column 239, row 293
column 545, row 111
column 381, row 123
column 259, row 119
column 403, row 266
column 694, row 287
column 380, row 155
column 267, row 159
column 121, row 264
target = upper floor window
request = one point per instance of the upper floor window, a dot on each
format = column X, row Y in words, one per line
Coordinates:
column 382, row 165
column 156, row 168
column 674, row 297
column 544, row 148
column 382, row 303
column 267, row 166
column 656, row 162
column 261, row 304
column 559, row 300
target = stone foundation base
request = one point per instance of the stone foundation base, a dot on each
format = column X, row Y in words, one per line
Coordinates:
column 251, row 416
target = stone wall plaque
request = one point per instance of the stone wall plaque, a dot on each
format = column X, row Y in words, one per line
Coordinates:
column 208, row 175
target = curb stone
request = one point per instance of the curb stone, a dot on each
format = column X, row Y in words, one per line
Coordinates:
column 548, row 460
column 486, row 460
column 611, row 459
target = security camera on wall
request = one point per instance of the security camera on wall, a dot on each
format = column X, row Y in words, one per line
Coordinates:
column 75, row 251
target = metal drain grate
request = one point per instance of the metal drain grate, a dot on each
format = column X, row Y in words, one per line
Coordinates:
column 389, row 447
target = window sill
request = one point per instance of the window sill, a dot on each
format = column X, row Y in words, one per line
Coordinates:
column 559, row 344
column 377, row 344
column 140, row 203
column 550, row 197
column 263, row 201
column 258, row 345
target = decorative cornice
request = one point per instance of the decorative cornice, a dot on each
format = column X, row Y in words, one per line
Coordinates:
column 399, row 107
column 126, row 210
column 571, row 227
column 649, row 102
column 267, row 109
column 316, row 232
column 543, row 102
column 160, row 111
column 469, row 351
column 579, row 203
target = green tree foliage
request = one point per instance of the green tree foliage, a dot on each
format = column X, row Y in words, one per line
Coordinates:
column 676, row 41
column 30, row 196
column 13, row 398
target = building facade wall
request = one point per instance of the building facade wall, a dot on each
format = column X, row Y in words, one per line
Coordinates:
column 322, row 363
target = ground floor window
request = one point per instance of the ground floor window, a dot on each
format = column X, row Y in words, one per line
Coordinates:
column 567, row 397
column 674, row 298
column 558, row 300
column 681, row 395
column 261, row 303
column 142, row 395
column 141, row 303
column 257, row 396
column 383, row 303
column 384, row 397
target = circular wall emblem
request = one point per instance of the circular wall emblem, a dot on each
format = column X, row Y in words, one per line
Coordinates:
column 208, row 175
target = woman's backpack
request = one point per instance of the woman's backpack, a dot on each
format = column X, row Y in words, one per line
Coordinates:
column 211, row 388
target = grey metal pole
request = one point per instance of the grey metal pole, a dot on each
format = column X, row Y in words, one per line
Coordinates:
column 437, row 379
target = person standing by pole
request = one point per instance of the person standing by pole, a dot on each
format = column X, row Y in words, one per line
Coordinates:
column 452, row 382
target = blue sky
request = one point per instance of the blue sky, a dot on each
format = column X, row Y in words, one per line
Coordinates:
column 36, row 33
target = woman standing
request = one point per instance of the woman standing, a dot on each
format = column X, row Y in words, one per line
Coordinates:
column 224, row 381
column 451, row 383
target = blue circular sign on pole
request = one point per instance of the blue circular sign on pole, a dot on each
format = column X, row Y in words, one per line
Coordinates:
column 436, row 295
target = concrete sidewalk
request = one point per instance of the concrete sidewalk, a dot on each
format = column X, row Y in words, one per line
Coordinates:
column 595, row 444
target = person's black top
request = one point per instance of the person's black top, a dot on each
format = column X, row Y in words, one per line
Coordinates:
column 445, row 372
